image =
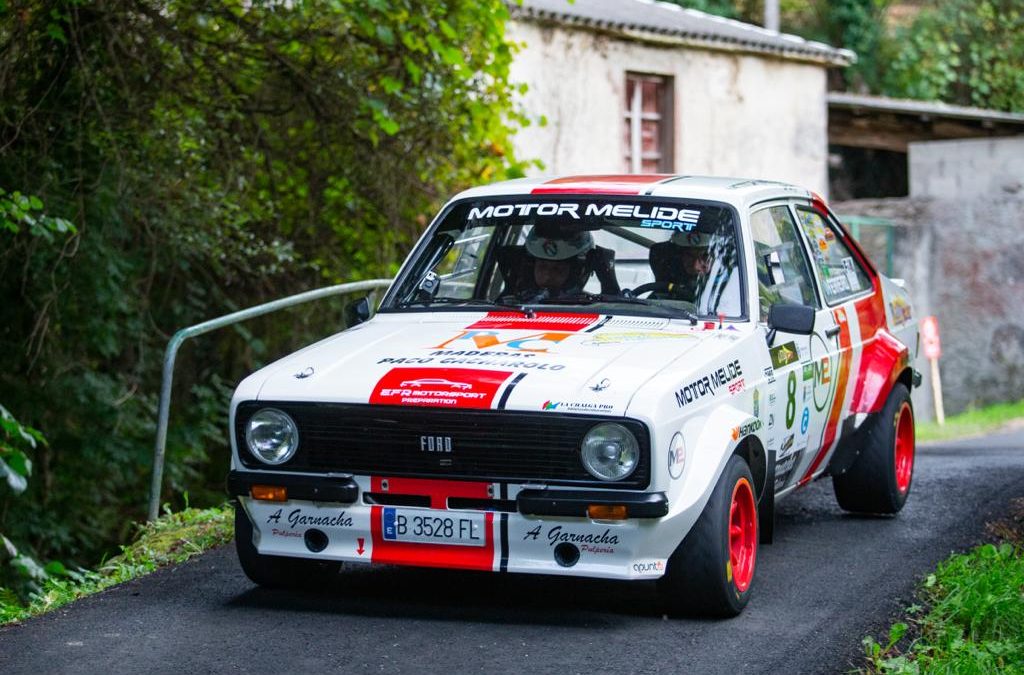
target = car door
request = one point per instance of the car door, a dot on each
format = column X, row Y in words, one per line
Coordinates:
column 784, row 275
column 837, row 344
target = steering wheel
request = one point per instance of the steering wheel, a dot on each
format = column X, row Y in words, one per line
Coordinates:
column 651, row 286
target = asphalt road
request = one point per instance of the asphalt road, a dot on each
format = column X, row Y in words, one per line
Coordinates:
column 828, row 580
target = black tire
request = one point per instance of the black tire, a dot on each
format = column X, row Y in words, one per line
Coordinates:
column 276, row 571
column 879, row 480
column 699, row 579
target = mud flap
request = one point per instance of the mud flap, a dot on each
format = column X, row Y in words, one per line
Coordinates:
column 766, row 505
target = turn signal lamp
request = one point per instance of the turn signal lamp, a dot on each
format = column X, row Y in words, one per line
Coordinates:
column 269, row 493
column 607, row 511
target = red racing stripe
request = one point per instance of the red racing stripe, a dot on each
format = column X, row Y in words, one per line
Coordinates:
column 549, row 321
column 831, row 426
column 625, row 184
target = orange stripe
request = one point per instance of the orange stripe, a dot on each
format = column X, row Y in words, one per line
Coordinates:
column 626, row 184
column 845, row 357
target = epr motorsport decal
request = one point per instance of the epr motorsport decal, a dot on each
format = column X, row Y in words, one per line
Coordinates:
column 439, row 387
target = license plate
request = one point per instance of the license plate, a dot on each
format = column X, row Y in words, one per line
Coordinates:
column 425, row 527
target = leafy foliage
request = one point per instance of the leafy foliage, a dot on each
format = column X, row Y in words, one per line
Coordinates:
column 962, row 51
column 206, row 156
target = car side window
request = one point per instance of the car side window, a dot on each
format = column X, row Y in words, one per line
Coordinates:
column 783, row 272
column 839, row 272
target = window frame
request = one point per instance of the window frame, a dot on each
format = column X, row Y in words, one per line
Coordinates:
column 665, row 104
column 855, row 253
column 801, row 242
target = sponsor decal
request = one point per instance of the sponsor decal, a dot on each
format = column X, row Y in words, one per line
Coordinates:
column 709, row 384
column 483, row 339
column 784, row 354
column 558, row 534
column 805, row 421
column 772, row 399
column 737, row 386
column 757, row 402
column 598, row 339
column 784, row 469
column 588, row 548
column 822, row 389
column 438, row 387
column 771, row 420
column 676, row 459
column 901, row 312
column 573, row 210
column 808, row 371
column 296, row 518
column 648, row 566
column 787, row 445
column 573, row 406
column 285, row 533
column 769, row 374
column 497, row 362
column 601, row 386
column 745, row 429
column 539, row 321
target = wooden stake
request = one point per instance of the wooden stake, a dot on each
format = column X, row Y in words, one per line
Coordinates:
column 940, row 414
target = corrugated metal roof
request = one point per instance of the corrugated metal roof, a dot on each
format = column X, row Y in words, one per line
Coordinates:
column 659, row 21
column 910, row 107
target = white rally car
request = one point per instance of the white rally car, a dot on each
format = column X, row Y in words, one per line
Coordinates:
column 601, row 376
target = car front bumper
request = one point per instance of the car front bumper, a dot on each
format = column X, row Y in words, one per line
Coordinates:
column 492, row 527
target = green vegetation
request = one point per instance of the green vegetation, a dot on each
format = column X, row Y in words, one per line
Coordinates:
column 163, row 162
column 972, row 422
column 171, row 539
column 965, row 52
column 975, row 617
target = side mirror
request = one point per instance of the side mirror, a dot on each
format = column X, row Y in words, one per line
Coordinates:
column 796, row 319
column 357, row 312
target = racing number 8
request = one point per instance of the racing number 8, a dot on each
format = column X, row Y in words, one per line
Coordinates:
column 790, row 400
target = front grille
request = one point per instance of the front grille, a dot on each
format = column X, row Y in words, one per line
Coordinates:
column 486, row 444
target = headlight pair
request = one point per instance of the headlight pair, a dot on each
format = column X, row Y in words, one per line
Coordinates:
column 272, row 436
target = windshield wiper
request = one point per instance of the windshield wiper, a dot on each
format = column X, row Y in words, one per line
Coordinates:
column 468, row 302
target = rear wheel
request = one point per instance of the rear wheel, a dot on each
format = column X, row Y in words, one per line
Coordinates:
column 879, row 479
column 711, row 573
column 276, row 571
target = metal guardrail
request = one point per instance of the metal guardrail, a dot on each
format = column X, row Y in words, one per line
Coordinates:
column 213, row 324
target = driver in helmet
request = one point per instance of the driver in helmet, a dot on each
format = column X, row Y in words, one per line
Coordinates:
column 682, row 262
column 560, row 262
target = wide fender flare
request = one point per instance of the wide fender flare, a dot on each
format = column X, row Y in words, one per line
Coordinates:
column 882, row 362
column 715, row 442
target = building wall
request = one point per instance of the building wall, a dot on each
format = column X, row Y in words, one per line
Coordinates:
column 735, row 114
column 959, row 243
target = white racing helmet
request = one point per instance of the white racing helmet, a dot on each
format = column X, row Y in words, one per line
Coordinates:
column 574, row 245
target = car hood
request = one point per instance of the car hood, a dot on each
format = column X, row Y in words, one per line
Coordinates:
column 574, row 363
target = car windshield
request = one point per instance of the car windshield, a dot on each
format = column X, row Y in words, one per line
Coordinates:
column 614, row 254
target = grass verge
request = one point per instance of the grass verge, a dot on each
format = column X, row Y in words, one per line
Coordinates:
column 171, row 539
column 972, row 422
column 972, row 615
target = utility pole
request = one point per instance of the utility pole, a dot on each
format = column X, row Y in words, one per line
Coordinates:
column 771, row 15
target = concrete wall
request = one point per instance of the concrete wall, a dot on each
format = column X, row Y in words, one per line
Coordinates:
column 960, row 245
column 739, row 115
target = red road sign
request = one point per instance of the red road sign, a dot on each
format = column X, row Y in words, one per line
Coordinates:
column 930, row 337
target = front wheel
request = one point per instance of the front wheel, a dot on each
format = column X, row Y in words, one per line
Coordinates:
column 276, row 571
column 879, row 480
column 711, row 573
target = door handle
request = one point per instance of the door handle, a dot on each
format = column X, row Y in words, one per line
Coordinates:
column 833, row 331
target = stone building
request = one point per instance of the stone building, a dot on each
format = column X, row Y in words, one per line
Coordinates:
column 640, row 86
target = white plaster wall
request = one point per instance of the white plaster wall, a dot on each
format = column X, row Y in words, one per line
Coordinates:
column 738, row 115
column 968, row 168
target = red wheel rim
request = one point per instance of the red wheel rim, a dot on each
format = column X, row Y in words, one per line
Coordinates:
column 742, row 534
column 904, row 448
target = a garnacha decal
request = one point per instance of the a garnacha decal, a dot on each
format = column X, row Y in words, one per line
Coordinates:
column 709, row 384
column 439, row 387
column 539, row 321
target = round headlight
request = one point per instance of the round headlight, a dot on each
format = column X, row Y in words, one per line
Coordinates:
column 272, row 436
column 609, row 451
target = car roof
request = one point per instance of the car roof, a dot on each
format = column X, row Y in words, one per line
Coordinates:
column 739, row 192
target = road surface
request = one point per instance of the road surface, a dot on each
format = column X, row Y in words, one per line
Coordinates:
column 828, row 580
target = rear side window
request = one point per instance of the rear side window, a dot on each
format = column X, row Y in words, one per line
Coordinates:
column 840, row 274
column 783, row 273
